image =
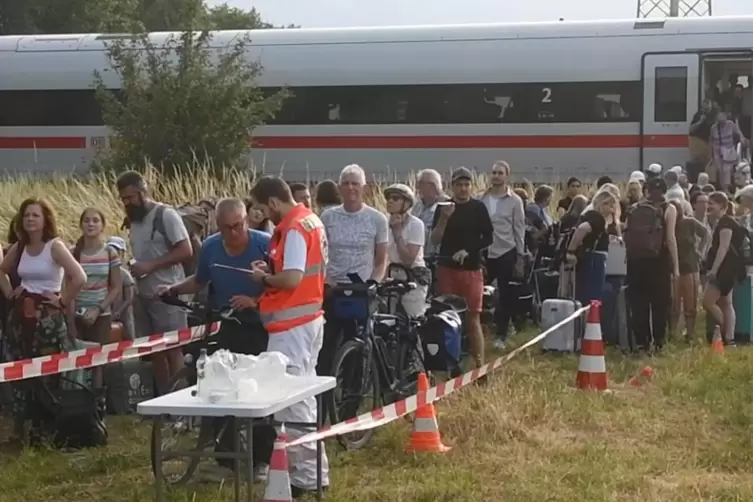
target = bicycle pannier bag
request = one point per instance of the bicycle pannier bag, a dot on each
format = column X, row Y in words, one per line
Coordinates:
column 441, row 341
column 355, row 301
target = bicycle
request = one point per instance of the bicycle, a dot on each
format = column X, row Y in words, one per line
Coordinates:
column 181, row 427
column 386, row 355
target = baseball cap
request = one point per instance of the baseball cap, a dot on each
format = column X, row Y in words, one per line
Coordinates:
column 117, row 243
column 657, row 184
column 654, row 170
column 462, row 173
column 637, row 176
column 677, row 169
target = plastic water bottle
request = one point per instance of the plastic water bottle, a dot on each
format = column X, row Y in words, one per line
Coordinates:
column 201, row 365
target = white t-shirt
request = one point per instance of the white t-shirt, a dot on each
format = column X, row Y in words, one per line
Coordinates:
column 412, row 233
column 294, row 256
column 676, row 192
column 352, row 239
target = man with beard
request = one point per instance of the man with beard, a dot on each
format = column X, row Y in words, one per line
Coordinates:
column 157, row 262
column 291, row 308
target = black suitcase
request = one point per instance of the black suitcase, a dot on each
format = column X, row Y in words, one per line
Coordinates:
column 615, row 318
column 128, row 384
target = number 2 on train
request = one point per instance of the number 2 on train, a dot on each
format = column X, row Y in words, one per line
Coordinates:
column 547, row 95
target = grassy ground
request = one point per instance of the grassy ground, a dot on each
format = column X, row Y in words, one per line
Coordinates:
column 527, row 436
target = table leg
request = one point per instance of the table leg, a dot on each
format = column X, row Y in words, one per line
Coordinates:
column 158, row 459
column 250, row 458
column 319, row 423
column 237, row 459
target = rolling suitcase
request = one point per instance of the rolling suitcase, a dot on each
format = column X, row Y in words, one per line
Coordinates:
column 615, row 318
column 567, row 337
column 553, row 310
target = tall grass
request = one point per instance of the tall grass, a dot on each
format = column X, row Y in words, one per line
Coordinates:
column 69, row 196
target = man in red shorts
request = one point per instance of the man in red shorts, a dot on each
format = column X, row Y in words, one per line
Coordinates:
column 462, row 229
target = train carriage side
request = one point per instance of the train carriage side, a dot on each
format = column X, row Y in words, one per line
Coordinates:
column 553, row 99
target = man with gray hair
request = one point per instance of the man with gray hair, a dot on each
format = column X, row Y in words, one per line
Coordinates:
column 430, row 194
column 674, row 190
column 235, row 245
column 357, row 235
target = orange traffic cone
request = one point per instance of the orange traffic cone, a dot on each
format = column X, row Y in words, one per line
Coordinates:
column 717, row 346
column 425, row 436
column 592, row 367
column 278, row 479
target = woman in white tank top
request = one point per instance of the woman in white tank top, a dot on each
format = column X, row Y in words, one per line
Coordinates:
column 37, row 324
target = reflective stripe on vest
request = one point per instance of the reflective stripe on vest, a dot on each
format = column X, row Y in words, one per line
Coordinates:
column 291, row 313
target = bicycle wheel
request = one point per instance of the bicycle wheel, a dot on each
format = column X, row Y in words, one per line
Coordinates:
column 355, row 379
column 180, row 432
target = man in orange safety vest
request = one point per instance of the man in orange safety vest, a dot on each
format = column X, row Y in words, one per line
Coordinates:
column 291, row 307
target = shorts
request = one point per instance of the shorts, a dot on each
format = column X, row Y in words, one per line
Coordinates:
column 153, row 316
column 724, row 281
column 467, row 284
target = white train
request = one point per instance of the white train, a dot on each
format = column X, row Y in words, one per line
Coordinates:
column 554, row 99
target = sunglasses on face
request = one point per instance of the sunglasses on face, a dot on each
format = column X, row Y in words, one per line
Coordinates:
column 394, row 198
column 498, row 173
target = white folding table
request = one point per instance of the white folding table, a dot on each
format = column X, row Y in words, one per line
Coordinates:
column 183, row 404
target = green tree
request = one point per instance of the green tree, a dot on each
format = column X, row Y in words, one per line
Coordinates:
column 20, row 17
column 182, row 102
column 225, row 17
column 69, row 16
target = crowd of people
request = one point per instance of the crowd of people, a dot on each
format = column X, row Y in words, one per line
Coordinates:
column 677, row 239
column 681, row 237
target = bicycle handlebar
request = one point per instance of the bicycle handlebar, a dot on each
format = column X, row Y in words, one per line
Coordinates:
column 200, row 310
column 395, row 286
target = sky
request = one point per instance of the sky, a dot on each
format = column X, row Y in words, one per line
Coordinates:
column 340, row 13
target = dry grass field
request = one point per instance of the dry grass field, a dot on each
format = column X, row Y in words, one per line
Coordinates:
column 528, row 436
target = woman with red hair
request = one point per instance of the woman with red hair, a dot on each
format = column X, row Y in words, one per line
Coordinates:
column 40, row 261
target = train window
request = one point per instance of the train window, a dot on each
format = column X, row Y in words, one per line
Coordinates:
column 560, row 102
column 670, row 94
column 49, row 108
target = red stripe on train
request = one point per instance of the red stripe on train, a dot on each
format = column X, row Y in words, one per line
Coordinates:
column 400, row 142
column 43, row 143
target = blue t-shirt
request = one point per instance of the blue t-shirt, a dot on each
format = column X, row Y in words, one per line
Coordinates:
column 228, row 283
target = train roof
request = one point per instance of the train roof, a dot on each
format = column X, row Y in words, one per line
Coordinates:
column 407, row 34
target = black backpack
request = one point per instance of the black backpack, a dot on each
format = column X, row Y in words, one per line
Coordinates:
column 73, row 417
column 644, row 237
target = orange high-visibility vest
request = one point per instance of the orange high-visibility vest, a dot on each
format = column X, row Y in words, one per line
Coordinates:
column 284, row 309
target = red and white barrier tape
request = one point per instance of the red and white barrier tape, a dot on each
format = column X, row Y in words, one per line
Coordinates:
column 386, row 414
column 101, row 355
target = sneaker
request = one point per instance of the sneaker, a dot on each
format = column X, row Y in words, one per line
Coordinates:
column 261, row 472
column 498, row 344
column 213, row 473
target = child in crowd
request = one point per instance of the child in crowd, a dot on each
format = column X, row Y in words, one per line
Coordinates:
column 122, row 310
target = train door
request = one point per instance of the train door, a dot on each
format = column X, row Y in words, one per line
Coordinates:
column 670, row 98
column 728, row 81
